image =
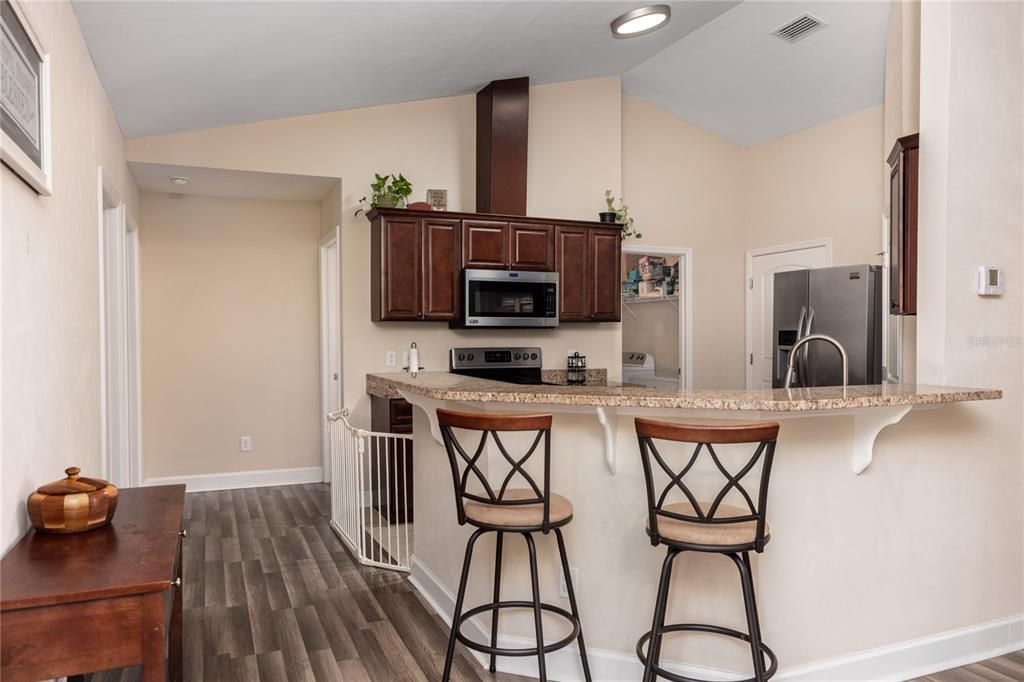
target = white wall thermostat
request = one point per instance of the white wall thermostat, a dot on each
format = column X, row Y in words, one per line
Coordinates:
column 990, row 281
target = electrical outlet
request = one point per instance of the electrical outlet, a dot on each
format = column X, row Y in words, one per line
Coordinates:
column 390, row 358
column 246, row 443
column 563, row 589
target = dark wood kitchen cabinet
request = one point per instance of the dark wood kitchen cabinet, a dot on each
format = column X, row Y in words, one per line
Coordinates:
column 571, row 264
column 604, row 256
column 485, row 244
column 393, row 415
column 417, row 258
column 587, row 260
column 531, row 247
column 903, row 174
column 414, row 268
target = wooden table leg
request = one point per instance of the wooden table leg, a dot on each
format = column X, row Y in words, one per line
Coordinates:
column 154, row 641
column 174, row 637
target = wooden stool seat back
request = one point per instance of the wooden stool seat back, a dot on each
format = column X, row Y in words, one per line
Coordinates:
column 465, row 467
column 705, row 437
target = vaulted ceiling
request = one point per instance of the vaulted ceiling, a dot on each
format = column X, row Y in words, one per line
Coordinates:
column 179, row 65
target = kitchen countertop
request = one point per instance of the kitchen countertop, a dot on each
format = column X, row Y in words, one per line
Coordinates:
column 447, row 386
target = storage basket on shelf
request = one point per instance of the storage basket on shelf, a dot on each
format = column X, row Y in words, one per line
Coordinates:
column 652, row 267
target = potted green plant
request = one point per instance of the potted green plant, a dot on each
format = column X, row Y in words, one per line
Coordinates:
column 618, row 214
column 386, row 191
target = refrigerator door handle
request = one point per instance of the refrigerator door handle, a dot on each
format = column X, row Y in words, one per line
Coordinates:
column 802, row 360
column 799, row 335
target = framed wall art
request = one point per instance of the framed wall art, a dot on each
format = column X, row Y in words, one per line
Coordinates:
column 24, row 99
column 438, row 198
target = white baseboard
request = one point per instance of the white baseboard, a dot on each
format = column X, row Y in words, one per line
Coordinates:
column 259, row 478
column 901, row 661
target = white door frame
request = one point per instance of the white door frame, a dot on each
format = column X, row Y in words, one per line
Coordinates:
column 120, row 439
column 685, row 256
column 333, row 238
column 748, row 286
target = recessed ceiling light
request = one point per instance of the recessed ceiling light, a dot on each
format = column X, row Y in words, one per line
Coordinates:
column 179, row 180
column 639, row 21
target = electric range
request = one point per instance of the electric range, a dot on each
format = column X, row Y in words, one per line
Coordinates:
column 513, row 364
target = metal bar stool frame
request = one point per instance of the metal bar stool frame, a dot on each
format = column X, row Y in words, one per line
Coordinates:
column 705, row 437
column 463, row 464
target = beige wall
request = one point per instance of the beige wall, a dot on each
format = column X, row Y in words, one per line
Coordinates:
column 819, row 182
column 50, row 281
column 685, row 187
column 690, row 188
column 901, row 113
column 230, row 334
column 573, row 156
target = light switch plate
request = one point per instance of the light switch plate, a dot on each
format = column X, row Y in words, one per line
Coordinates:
column 245, row 443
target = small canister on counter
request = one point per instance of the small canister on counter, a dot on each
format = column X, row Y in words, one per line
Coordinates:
column 576, row 366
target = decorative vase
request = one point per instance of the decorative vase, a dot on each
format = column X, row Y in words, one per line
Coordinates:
column 73, row 504
column 607, row 216
column 388, row 201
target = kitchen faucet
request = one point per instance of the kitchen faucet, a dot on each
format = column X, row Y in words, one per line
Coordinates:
column 790, row 367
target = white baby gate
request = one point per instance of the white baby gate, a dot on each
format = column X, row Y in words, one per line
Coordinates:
column 371, row 500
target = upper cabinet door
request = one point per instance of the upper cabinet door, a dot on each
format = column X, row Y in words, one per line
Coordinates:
column 903, row 177
column 440, row 277
column 571, row 263
column 605, row 255
column 485, row 244
column 395, row 270
column 531, row 247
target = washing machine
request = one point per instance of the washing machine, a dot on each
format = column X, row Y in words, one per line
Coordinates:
column 638, row 368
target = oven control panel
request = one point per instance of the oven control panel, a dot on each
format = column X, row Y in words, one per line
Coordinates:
column 494, row 358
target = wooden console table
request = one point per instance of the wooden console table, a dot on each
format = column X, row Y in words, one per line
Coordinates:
column 102, row 599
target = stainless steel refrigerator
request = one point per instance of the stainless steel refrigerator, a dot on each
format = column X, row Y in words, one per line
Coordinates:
column 843, row 302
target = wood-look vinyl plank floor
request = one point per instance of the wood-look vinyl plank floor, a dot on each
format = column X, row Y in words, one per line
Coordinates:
column 1008, row 668
column 270, row 594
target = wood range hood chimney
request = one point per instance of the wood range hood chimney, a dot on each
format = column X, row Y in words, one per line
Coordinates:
column 502, row 124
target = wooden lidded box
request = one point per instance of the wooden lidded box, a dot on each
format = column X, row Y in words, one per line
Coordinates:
column 73, row 504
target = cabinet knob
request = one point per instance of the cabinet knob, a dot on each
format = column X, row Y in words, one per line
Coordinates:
column 177, row 581
column 183, row 532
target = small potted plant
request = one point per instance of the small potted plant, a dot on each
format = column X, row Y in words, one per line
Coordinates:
column 618, row 214
column 386, row 191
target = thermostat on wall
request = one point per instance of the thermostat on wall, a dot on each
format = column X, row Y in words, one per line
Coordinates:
column 990, row 280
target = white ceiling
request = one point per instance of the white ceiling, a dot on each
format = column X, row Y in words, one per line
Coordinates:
column 170, row 66
column 734, row 78
column 218, row 182
column 178, row 65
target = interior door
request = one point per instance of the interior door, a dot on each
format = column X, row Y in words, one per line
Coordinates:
column 760, row 303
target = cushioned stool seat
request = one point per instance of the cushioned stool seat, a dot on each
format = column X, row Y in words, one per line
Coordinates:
column 711, row 534
column 518, row 515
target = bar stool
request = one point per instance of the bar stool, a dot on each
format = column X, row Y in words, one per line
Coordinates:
column 701, row 526
column 508, row 510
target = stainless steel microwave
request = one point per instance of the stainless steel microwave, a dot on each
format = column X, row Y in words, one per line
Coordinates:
column 510, row 298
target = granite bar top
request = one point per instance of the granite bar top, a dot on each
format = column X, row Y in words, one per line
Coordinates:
column 447, row 386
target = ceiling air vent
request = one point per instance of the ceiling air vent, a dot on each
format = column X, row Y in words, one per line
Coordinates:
column 799, row 28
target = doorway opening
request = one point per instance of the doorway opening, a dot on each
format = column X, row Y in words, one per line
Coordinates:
column 120, row 397
column 762, row 264
column 657, row 316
